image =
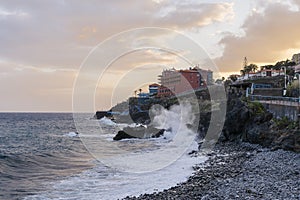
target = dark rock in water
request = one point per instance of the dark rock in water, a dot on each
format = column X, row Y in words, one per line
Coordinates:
column 122, row 135
column 101, row 114
column 139, row 132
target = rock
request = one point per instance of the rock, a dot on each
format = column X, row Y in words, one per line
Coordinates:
column 101, row 114
column 140, row 117
column 236, row 117
column 122, row 135
column 139, row 132
column 244, row 122
column 289, row 141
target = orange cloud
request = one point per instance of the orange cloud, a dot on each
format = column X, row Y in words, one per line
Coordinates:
column 268, row 36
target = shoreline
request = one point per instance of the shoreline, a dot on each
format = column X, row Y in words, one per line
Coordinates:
column 239, row 171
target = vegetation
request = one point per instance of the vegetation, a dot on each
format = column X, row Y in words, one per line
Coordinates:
column 280, row 64
column 249, row 68
column 285, row 123
column 233, row 77
column 257, row 107
column 277, row 66
column 293, row 89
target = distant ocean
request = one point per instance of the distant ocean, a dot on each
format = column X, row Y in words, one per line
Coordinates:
column 42, row 158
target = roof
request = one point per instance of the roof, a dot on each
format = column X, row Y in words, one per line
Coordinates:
column 154, row 85
column 188, row 71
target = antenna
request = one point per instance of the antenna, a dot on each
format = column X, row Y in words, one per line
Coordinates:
column 245, row 62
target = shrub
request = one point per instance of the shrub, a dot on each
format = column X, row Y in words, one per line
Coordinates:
column 257, row 107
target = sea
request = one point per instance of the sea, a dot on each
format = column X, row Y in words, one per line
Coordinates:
column 47, row 156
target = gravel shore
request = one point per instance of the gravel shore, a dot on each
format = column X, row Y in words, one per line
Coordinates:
column 240, row 171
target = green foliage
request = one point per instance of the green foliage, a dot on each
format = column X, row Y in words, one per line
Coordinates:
column 283, row 63
column 233, row 77
column 293, row 89
column 249, row 68
column 243, row 72
column 257, row 107
column 266, row 67
column 285, row 122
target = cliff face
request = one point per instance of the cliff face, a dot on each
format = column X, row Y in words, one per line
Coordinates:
column 245, row 121
column 250, row 122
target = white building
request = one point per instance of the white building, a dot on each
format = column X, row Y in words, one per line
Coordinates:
column 262, row 73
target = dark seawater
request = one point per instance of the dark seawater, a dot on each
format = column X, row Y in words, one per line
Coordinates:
column 35, row 150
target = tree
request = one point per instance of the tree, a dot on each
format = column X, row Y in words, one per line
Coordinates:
column 253, row 67
column 140, row 90
column 249, row 68
column 242, row 72
column 135, row 91
column 266, row 67
column 279, row 65
column 233, row 77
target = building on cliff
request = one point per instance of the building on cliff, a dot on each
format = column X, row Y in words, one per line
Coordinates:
column 153, row 89
column 178, row 81
column 261, row 73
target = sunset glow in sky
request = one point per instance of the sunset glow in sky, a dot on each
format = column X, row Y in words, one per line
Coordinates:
column 44, row 43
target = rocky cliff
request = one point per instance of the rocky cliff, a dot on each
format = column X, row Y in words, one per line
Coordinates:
column 250, row 122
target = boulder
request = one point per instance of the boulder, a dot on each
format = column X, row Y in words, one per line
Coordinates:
column 122, row 135
column 139, row 132
column 101, row 114
column 288, row 141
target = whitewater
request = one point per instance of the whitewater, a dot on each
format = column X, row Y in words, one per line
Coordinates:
column 145, row 166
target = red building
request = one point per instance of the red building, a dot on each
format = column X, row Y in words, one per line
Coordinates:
column 178, row 81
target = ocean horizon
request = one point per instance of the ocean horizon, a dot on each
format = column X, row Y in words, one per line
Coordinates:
column 42, row 157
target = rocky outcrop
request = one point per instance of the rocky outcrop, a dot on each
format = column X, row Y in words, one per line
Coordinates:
column 288, row 140
column 250, row 122
column 140, row 117
column 139, row 132
column 101, row 114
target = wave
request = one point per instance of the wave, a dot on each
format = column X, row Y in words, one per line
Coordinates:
column 27, row 174
column 107, row 121
column 71, row 134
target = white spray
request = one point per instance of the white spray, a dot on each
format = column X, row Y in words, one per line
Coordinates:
column 174, row 120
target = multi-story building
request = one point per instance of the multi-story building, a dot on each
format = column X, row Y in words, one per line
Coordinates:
column 153, row 89
column 178, row 81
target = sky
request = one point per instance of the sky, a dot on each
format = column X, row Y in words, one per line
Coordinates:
column 57, row 54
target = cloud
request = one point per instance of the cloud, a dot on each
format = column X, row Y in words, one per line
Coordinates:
column 268, row 36
column 53, row 32
column 297, row 2
column 195, row 15
column 47, row 41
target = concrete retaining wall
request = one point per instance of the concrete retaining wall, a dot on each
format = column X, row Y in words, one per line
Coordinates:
column 280, row 111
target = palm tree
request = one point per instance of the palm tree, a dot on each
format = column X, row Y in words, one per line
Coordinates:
column 243, row 72
column 140, row 90
column 135, row 91
column 253, row 67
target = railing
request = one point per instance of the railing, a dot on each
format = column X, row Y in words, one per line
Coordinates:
column 273, row 98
